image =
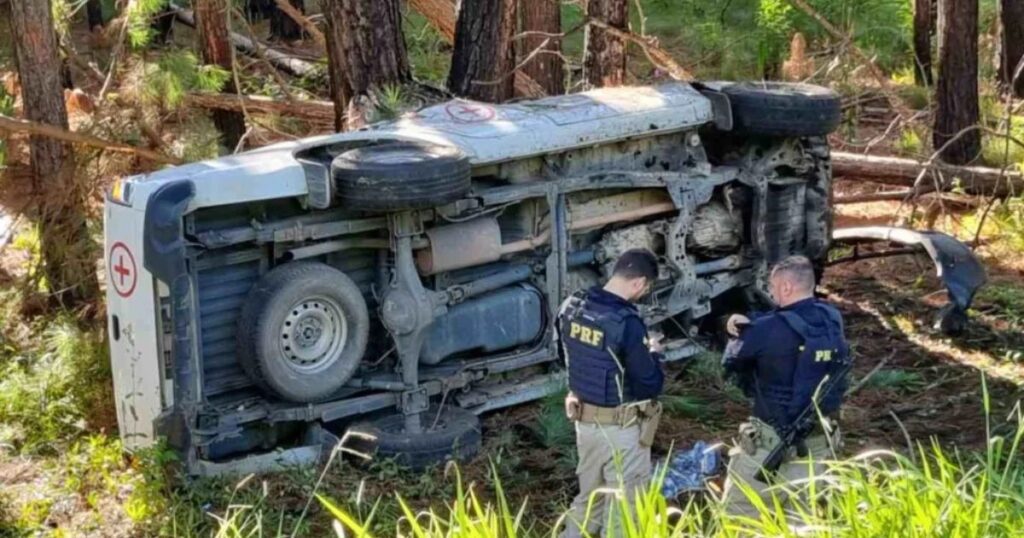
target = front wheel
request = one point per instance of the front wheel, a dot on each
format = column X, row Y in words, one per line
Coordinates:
column 449, row 433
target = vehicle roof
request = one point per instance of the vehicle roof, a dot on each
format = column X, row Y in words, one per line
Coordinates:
column 495, row 133
column 486, row 133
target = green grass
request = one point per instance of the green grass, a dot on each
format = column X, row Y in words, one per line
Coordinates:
column 933, row 492
column 896, row 379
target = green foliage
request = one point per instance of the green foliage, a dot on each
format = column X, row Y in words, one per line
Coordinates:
column 139, row 17
column 685, row 406
column 6, row 109
column 50, row 389
column 553, row 428
column 429, row 54
column 896, row 379
column 909, row 143
column 177, row 72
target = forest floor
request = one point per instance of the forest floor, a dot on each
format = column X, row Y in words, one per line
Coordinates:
column 930, row 389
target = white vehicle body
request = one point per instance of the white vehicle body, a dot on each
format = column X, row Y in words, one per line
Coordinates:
column 145, row 335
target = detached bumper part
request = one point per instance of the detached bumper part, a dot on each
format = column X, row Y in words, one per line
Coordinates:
column 955, row 263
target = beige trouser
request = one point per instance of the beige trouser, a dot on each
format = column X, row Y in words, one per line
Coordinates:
column 612, row 463
column 755, row 441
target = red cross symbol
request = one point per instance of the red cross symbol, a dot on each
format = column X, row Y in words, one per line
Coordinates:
column 122, row 266
column 469, row 112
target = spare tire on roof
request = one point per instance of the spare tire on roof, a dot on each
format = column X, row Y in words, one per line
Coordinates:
column 783, row 109
column 399, row 175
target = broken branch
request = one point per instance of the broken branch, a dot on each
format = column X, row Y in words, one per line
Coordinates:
column 309, row 110
column 883, row 81
column 301, row 20
column 657, row 55
column 13, row 125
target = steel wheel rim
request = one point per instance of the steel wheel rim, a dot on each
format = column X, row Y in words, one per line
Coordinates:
column 313, row 335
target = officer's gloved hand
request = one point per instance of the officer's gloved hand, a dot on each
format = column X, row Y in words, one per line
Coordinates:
column 735, row 324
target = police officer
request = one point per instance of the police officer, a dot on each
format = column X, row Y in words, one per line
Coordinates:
column 614, row 375
column 782, row 357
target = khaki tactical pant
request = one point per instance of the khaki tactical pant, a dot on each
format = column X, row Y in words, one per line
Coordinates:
column 612, row 463
column 755, row 441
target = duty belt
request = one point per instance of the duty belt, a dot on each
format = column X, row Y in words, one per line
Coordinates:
column 623, row 415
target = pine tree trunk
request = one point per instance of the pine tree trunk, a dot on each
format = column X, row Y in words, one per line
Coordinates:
column 545, row 68
column 365, row 50
column 956, row 92
column 484, row 51
column 605, row 62
column 94, row 13
column 1011, row 46
column 923, row 42
column 215, row 45
column 59, row 211
column 283, row 27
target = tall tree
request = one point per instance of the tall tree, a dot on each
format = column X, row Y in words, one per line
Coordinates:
column 94, row 13
column 282, row 26
column 923, row 24
column 59, row 210
column 365, row 50
column 484, row 55
column 605, row 61
column 546, row 68
column 215, row 44
column 1011, row 43
column 956, row 91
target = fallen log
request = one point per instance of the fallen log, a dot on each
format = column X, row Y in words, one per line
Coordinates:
column 897, row 171
column 14, row 125
column 319, row 111
column 279, row 59
column 441, row 14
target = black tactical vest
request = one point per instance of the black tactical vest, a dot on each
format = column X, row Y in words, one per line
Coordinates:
column 591, row 347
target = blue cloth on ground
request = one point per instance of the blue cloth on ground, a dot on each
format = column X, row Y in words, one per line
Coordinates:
column 687, row 470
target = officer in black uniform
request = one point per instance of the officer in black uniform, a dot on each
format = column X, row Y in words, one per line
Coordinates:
column 614, row 376
column 782, row 358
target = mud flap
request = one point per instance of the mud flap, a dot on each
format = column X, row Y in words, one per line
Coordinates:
column 955, row 263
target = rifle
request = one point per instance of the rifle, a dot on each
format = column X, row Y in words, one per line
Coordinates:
column 795, row 432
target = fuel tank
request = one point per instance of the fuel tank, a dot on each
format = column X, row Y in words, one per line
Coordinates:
column 497, row 321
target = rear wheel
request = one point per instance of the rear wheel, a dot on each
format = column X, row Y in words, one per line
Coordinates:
column 302, row 331
column 397, row 176
column 449, row 433
column 783, row 109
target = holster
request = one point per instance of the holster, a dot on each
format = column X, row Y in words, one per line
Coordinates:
column 650, row 418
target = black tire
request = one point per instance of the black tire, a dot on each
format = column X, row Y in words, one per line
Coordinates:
column 401, row 175
column 302, row 331
column 457, row 436
column 783, row 109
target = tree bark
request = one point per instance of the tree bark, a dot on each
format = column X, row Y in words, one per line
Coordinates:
column 605, row 57
column 365, row 50
column 215, row 45
column 484, row 55
column 65, row 245
column 1011, row 45
column 923, row 42
column 282, row 26
column 546, row 67
column 441, row 15
column 956, row 92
